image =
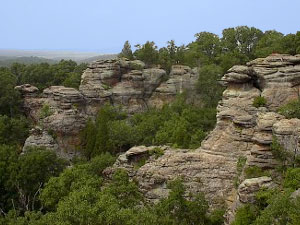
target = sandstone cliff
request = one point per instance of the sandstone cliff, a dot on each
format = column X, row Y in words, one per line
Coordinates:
column 242, row 130
column 64, row 111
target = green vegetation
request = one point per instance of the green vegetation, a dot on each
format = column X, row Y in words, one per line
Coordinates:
column 23, row 176
column 254, row 171
column 80, row 195
column 157, row 152
column 36, row 188
column 259, row 102
column 239, row 169
column 236, row 46
column 245, row 215
column 179, row 124
column 9, row 98
column 45, row 111
column 126, row 51
column 292, row 178
column 13, row 131
column 65, row 72
column 291, row 109
column 273, row 205
column 207, row 87
column 278, row 151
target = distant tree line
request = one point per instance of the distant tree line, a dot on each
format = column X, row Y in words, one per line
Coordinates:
column 236, row 46
column 214, row 55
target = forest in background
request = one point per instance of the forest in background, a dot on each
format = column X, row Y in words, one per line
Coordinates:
column 39, row 188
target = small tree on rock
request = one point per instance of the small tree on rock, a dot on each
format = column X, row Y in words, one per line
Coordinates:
column 126, row 51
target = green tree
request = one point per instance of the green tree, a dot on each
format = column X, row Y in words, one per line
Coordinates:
column 72, row 179
column 208, row 45
column 126, row 51
column 13, row 131
column 9, row 98
column 289, row 45
column 148, row 53
column 8, row 160
column 176, row 209
column 72, row 80
column 32, row 171
column 208, row 87
column 241, row 38
column 269, row 43
column 88, row 139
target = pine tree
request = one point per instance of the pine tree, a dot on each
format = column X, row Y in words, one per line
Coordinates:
column 126, row 51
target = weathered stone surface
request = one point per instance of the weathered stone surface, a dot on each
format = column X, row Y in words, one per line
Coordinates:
column 181, row 78
column 287, row 132
column 249, row 187
column 40, row 138
column 130, row 159
column 265, row 121
column 241, row 130
column 201, row 171
column 237, row 74
column 115, row 81
column 27, row 89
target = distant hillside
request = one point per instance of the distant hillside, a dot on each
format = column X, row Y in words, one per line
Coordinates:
column 7, row 57
column 99, row 57
column 8, row 61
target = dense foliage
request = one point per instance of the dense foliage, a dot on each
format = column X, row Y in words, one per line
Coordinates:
column 291, row 109
column 80, row 195
column 23, row 176
column 278, row 204
column 178, row 124
column 236, row 46
column 36, row 188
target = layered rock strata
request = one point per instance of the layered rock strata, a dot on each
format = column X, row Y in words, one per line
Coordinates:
column 120, row 82
column 242, row 131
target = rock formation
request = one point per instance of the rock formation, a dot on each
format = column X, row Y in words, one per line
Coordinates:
column 242, row 130
column 129, row 84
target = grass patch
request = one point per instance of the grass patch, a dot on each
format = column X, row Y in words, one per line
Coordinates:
column 259, row 101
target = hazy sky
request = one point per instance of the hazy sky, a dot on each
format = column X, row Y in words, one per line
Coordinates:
column 104, row 25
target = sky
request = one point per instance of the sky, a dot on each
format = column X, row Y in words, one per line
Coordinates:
column 104, row 25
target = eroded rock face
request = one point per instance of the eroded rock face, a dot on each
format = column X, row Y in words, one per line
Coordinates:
column 181, row 78
column 40, row 138
column 242, row 130
column 246, row 193
column 128, row 84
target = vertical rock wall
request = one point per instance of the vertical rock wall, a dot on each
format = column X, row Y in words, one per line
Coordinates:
column 119, row 82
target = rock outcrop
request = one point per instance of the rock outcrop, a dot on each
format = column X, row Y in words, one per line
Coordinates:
column 242, row 131
column 246, row 193
column 120, row 82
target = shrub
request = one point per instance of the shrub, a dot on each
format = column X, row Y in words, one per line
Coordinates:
column 292, row 178
column 239, row 168
column 157, row 152
column 245, row 215
column 291, row 109
column 138, row 164
column 263, row 197
column 45, row 111
column 254, row 171
column 277, row 150
column 259, row 102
